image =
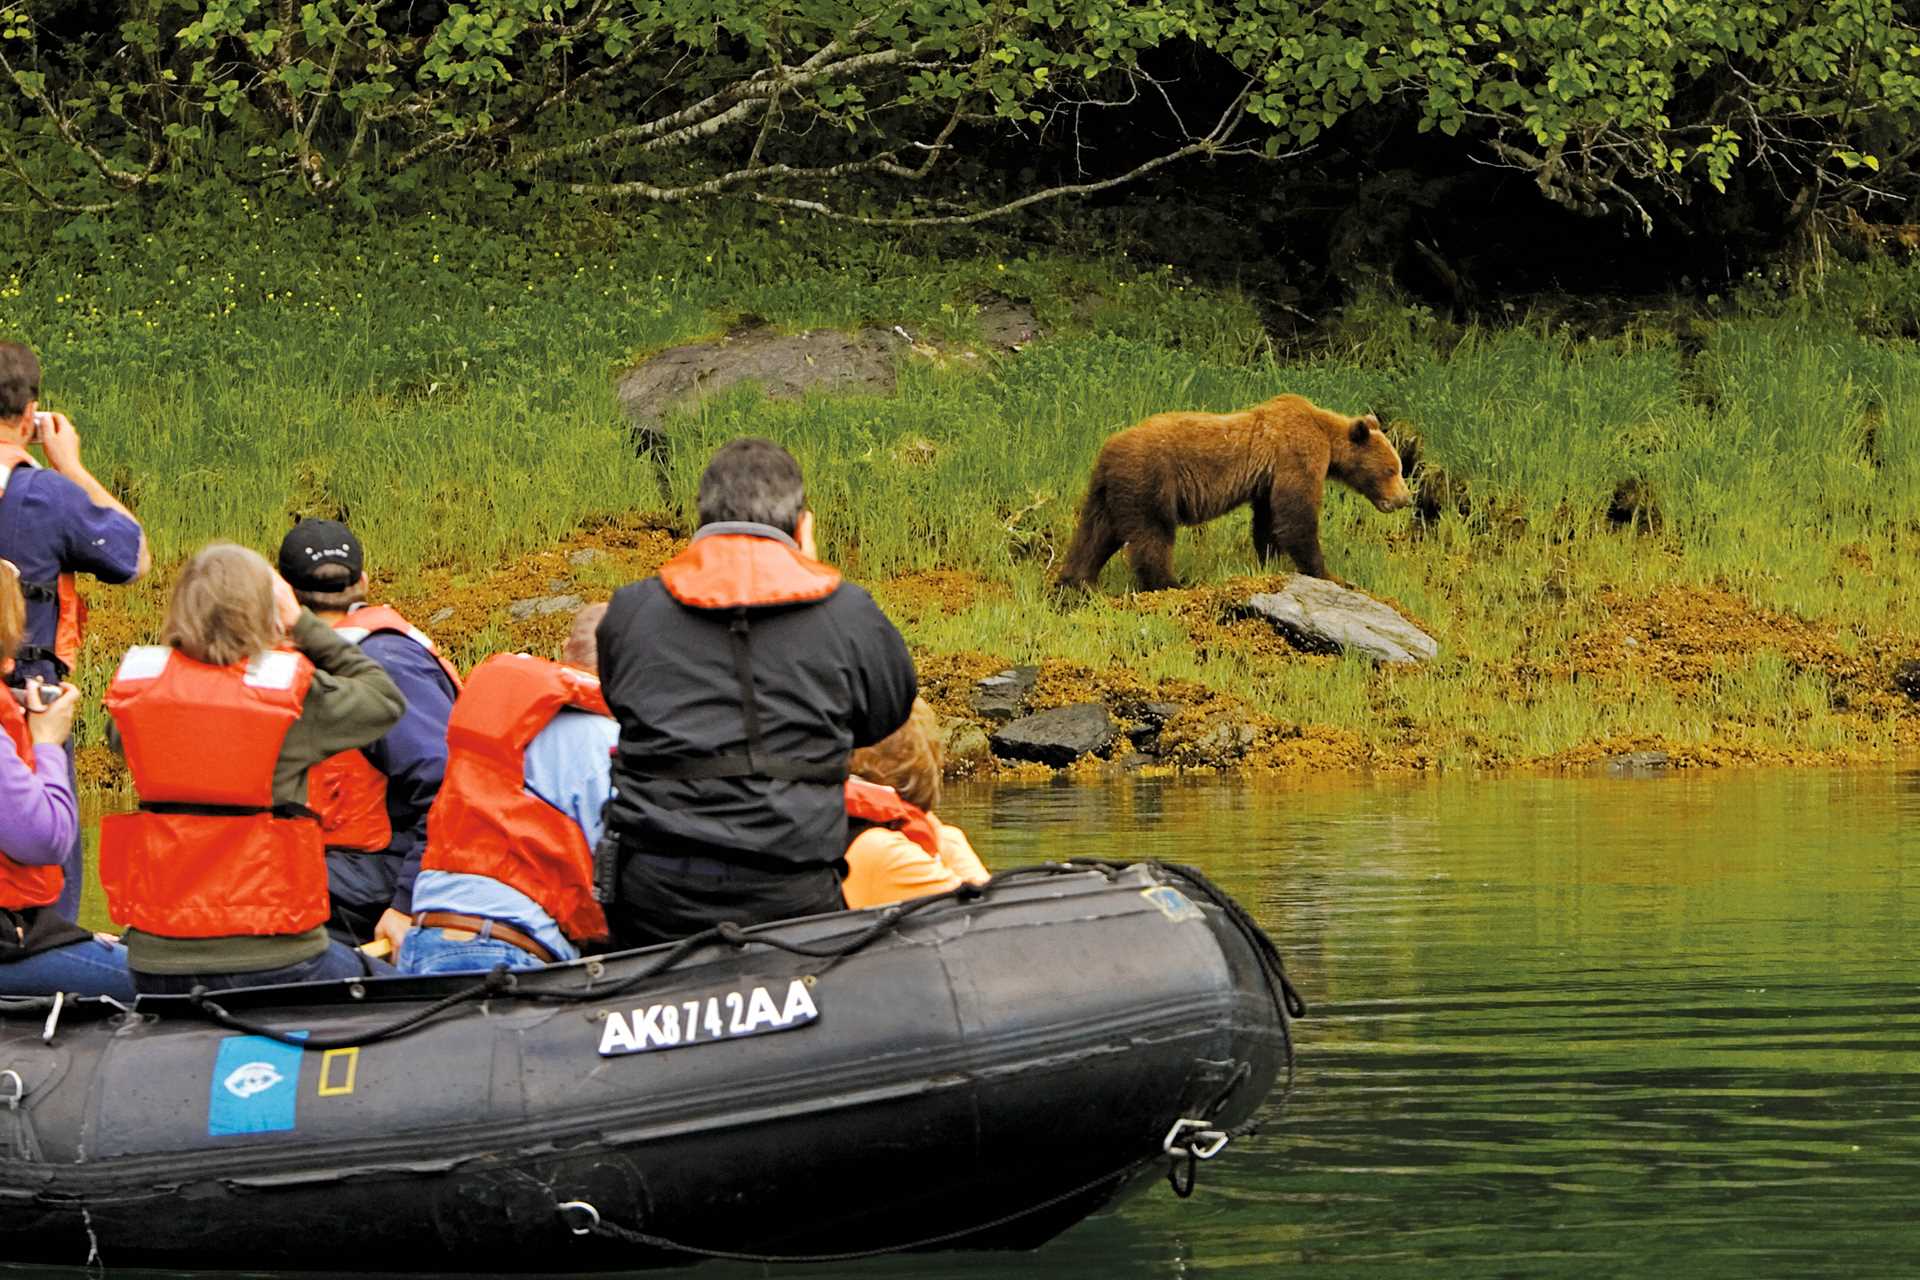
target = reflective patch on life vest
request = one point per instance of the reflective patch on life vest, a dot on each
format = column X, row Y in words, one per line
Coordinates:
column 352, row 635
column 144, row 662
column 272, row 670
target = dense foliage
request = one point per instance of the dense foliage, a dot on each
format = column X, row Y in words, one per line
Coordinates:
column 847, row 108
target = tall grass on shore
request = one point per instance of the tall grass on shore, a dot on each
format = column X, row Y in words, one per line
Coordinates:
column 452, row 394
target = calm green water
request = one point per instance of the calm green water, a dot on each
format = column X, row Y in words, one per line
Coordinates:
column 1561, row 1027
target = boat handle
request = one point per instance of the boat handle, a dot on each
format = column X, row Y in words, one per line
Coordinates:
column 593, row 1214
column 53, row 1017
column 1204, row 1143
column 19, row 1088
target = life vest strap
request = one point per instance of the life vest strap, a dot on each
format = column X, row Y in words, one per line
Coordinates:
column 43, row 592
column 227, row 810
column 754, row 762
column 735, row 765
column 40, row 653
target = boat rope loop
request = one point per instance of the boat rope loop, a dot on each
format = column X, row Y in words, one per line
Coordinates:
column 583, row 1219
column 502, row 983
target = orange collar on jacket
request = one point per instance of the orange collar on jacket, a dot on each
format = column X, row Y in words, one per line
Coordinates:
column 745, row 570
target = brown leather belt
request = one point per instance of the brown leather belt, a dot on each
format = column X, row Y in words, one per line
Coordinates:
column 475, row 924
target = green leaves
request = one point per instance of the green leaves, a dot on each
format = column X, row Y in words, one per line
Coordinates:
column 1645, row 98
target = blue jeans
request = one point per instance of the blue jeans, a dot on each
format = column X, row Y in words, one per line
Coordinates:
column 337, row 961
column 432, row 951
column 86, row 968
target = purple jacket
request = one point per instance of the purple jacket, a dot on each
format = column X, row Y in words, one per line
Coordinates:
column 38, row 817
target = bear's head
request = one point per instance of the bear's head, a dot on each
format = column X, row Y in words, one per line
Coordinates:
column 1365, row 461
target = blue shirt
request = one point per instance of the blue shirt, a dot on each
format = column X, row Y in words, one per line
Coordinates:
column 49, row 526
column 569, row 764
column 413, row 755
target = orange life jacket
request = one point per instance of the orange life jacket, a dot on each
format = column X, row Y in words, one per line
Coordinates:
column 734, row 573
column 883, row 806
column 484, row 821
column 23, row 886
column 208, row 855
column 347, row 793
column 743, row 571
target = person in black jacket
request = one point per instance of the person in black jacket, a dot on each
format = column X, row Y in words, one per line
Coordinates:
column 742, row 677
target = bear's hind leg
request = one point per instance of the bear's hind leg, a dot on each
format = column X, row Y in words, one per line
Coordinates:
column 1150, row 553
column 1263, row 545
column 1094, row 543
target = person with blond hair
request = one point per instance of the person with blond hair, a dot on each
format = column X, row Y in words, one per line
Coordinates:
column 41, row 951
column 507, row 878
column 900, row 850
column 221, row 876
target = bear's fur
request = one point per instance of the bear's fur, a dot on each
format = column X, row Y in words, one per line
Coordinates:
column 1187, row 468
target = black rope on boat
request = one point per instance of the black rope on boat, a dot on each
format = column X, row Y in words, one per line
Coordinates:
column 500, row 983
column 596, row 1225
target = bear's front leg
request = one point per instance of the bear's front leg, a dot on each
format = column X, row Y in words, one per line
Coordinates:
column 1296, row 526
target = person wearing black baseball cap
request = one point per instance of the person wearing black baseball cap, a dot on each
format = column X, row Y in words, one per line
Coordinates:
column 373, row 802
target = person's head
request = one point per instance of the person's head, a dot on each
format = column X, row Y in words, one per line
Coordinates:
column 324, row 564
column 19, row 388
column 222, row 610
column 909, row 759
column 13, row 615
column 582, row 650
column 755, row 481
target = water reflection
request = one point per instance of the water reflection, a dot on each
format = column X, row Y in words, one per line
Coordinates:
column 1561, row 1027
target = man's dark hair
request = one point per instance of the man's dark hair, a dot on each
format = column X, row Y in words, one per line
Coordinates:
column 349, row 592
column 19, row 379
column 756, row 481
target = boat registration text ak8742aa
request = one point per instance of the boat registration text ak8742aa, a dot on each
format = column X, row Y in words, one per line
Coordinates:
column 701, row 1019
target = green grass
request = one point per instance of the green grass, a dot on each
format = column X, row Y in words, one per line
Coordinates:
column 453, row 391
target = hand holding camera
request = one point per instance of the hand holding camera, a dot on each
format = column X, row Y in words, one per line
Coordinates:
column 59, row 439
column 50, row 709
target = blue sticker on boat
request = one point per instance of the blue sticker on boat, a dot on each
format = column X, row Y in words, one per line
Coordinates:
column 1174, row 905
column 256, row 1086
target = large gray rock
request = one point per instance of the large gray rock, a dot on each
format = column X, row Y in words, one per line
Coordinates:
column 1057, row 737
column 966, row 747
column 783, row 365
column 1002, row 696
column 521, row 610
column 1324, row 617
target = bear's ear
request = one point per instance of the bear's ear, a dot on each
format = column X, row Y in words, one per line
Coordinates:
column 1362, row 428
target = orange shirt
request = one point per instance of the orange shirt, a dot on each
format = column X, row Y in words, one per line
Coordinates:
column 884, row 866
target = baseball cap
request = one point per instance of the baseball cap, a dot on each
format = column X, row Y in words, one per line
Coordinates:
column 313, row 544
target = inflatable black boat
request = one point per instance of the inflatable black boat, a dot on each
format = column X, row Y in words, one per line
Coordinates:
column 980, row 1070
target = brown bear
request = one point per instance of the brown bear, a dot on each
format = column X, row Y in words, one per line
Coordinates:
column 1188, row 468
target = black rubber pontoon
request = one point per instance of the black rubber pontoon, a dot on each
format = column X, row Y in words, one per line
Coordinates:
column 972, row 1071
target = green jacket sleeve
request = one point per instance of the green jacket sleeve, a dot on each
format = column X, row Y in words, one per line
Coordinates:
column 352, row 703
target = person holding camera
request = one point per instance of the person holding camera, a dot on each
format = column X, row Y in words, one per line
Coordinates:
column 41, row 951
column 742, row 676
column 221, row 875
column 55, row 522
